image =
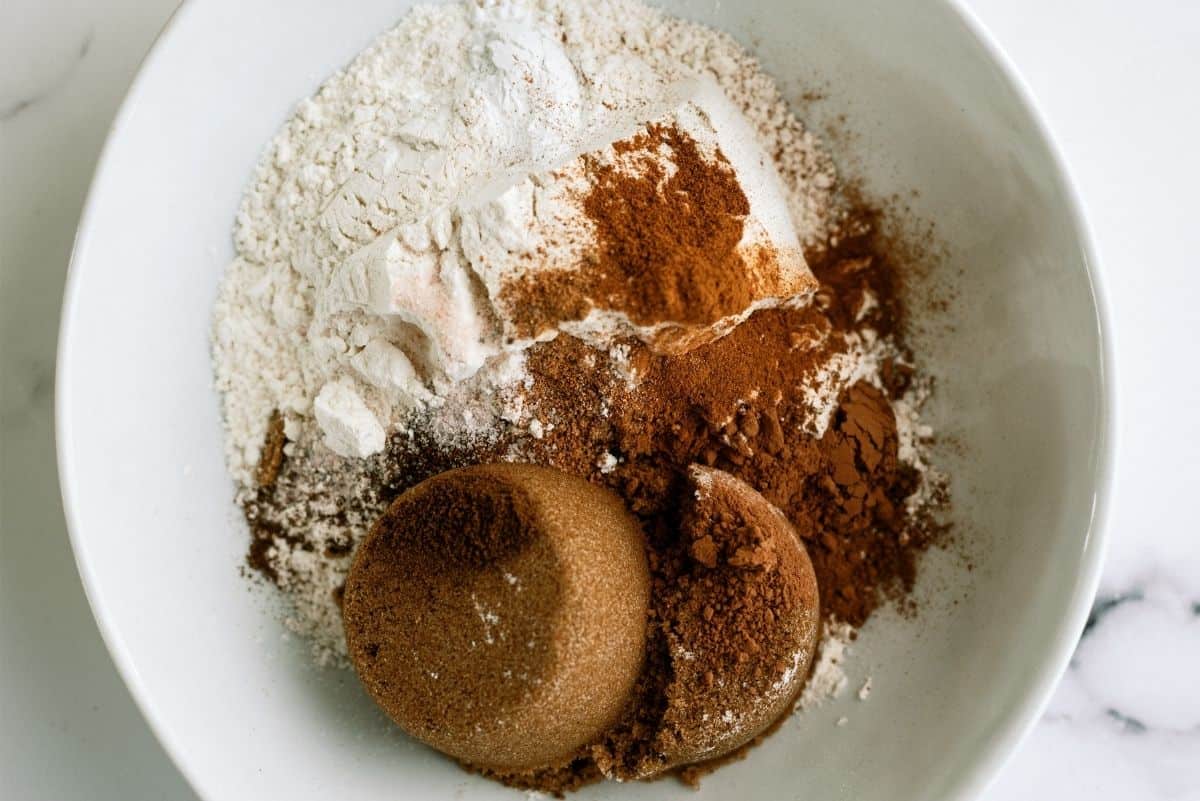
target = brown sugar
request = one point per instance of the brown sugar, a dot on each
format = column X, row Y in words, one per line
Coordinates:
column 733, row 620
column 499, row 612
column 736, row 602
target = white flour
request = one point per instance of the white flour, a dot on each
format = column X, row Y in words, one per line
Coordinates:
column 454, row 94
column 828, row 679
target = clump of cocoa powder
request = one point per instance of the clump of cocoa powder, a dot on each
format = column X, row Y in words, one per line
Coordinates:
column 668, row 244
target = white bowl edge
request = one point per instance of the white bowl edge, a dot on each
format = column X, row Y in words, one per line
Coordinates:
column 1019, row 720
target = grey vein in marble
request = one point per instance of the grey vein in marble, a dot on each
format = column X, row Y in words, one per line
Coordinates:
column 1131, row 725
column 1105, row 604
column 1136, row 660
column 14, row 109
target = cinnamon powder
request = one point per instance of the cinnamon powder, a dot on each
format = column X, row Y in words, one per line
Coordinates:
column 668, row 220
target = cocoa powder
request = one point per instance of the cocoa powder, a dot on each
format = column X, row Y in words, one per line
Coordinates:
column 738, row 404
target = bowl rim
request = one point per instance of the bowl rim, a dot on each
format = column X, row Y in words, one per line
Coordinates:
column 998, row 746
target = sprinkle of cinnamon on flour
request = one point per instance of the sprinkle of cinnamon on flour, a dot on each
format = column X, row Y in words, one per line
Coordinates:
column 667, row 242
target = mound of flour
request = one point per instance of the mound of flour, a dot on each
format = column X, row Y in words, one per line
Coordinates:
column 451, row 97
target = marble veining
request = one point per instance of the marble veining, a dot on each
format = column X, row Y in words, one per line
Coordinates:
column 10, row 110
column 1107, row 603
column 1137, row 659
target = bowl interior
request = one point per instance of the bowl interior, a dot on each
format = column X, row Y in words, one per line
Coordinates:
column 1020, row 405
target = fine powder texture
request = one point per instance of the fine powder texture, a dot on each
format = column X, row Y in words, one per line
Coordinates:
column 815, row 406
column 417, row 119
column 668, row 246
column 735, row 603
column 739, row 404
column 683, row 229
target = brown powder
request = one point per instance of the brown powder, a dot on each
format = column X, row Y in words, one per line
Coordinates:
column 271, row 458
column 484, row 604
column 737, row 404
column 667, row 245
column 737, row 604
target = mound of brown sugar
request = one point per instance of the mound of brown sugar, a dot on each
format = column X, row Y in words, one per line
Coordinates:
column 498, row 613
column 735, row 602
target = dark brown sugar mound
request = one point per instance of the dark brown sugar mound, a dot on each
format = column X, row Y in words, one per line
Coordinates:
column 498, row 613
column 735, row 625
column 741, row 619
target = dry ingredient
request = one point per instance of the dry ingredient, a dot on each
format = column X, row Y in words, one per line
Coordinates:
column 734, row 616
column 500, row 613
column 638, row 440
column 814, row 405
column 453, row 96
column 740, row 404
column 677, row 253
column 530, row 587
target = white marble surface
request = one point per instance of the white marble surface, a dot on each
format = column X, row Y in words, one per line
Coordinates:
column 1117, row 80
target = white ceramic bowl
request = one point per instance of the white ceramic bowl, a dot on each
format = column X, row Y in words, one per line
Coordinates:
column 1025, row 393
